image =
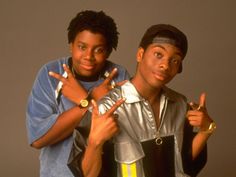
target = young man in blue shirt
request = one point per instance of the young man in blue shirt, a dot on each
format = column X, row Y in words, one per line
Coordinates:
column 52, row 112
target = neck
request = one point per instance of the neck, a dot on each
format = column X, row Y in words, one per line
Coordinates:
column 84, row 78
column 146, row 91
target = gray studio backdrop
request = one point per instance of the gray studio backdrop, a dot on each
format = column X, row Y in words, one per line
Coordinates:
column 34, row 32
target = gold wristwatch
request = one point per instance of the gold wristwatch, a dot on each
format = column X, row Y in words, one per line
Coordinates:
column 85, row 102
column 211, row 128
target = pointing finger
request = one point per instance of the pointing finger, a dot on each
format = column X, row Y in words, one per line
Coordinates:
column 95, row 112
column 57, row 76
column 202, row 100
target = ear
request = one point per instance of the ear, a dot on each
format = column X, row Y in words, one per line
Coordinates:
column 139, row 54
column 70, row 47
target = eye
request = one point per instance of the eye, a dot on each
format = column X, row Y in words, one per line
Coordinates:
column 99, row 50
column 158, row 55
column 176, row 61
column 82, row 47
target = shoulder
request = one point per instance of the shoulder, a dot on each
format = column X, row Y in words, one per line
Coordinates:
column 177, row 105
column 56, row 65
column 53, row 65
column 42, row 77
column 174, row 95
column 114, row 95
column 109, row 100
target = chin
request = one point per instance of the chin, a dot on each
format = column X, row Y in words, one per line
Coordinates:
column 87, row 73
column 162, row 83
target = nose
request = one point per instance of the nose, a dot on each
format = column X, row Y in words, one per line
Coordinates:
column 164, row 64
column 89, row 54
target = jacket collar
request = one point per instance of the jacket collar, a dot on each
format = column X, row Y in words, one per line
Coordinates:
column 129, row 92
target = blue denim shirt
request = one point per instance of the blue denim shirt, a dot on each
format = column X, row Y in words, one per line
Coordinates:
column 43, row 110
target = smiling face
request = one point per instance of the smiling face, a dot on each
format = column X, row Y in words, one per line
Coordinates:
column 158, row 64
column 89, row 53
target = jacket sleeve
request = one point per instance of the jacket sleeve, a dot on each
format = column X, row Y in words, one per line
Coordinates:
column 80, row 136
column 76, row 154
column 192, row 167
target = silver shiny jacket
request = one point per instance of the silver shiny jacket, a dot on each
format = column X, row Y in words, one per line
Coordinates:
column 137, row 124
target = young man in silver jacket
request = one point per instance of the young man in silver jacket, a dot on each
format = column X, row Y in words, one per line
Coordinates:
column 143, row 128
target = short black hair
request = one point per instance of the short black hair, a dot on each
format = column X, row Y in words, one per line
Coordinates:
column 166, row 31
column 96, row 22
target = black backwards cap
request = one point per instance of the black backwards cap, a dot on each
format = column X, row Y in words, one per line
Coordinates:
column 165, row 33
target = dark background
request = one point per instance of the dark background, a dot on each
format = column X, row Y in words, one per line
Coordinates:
column 34, row 32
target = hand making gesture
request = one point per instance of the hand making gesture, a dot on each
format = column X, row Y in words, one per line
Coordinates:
column 107, row 85
column 198, row 116
column 71, row 88
column 74, row 91
column 103, row 126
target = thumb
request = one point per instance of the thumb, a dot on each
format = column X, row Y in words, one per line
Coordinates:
column 202, row 100
column 95, row 112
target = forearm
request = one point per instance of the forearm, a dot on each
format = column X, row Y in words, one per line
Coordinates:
column 199, row 143
column 92, row 161
column 103, row 128
column 63, row 127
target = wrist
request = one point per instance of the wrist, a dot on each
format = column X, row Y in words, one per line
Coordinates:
column 94, row 94
column 85, row 102
column 210, row 129
column 95, row 144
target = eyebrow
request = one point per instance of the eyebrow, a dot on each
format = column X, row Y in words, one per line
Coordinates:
column 157, row 45
column 161, row 46
column 84, row 43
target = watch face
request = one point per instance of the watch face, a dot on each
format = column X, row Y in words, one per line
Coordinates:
column 212, row 126
column 84, row 103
